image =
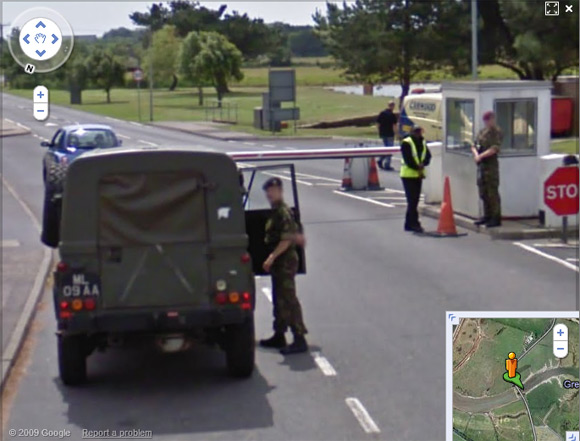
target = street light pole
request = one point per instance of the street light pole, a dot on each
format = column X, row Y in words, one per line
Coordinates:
column 151, row 75
column 474, row 39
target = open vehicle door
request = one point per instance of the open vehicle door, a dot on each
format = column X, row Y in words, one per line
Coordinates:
column 258, row 209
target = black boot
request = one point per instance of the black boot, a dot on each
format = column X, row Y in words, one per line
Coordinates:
column 277, row 341
column 481, row 221
column 493, row 223
column 298, row 346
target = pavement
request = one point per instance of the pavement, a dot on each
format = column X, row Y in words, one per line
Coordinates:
column 374, row 299
column 10, row 128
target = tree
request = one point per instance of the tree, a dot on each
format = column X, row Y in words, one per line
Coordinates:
column 164, row 52
column 209, row 58
column 381, row 40
column 517, row 35
column 105, row 70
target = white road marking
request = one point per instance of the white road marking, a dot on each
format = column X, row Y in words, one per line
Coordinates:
column 23, row 126
column 360, row 198
column 325, row 184
column 267, row 293
column 547, row 256
column 324, row 364
column 49, row 124
column 554, row 245
column 298, row 181
column 123, row 136
column 10, row 243
column 136, row 123
column 305, row 175
column 21, row 107
column 363, row 417
column 10, row 121
column 23, row 204
column 152, row 144
column 290, row 148
column 110, row 118
column 249, row 143
column 269, row 146
column 231, row 141
column 572, row 259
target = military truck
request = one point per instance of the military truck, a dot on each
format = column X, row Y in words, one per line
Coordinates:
column 153, row 243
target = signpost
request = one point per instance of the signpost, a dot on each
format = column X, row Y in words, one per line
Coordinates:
column 561, row 194
column 138, row 77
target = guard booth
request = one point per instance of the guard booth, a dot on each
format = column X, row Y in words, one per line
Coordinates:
column 522, row 111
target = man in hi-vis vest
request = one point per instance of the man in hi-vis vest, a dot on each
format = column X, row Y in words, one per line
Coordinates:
column 416, row 156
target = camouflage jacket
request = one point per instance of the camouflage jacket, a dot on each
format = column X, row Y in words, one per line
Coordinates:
column 281, row 226
column 487, row 138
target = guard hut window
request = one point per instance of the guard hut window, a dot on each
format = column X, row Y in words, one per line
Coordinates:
column 459, row 127
column 518, row 122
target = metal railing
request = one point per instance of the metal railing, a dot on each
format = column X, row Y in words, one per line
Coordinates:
column 223, row 112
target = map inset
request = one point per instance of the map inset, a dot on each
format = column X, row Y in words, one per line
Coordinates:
column 488, row 402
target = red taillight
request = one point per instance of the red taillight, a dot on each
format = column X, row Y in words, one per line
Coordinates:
column 65, row 314
column 246, row 306
column 246, row 297
column 63, row 305
column 61, row 267
column 90, row 304
column 246, row 258
column 221, row 298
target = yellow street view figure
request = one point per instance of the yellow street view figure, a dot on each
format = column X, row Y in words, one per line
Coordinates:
column 512, row 376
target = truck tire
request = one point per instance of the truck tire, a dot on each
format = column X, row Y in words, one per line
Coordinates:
column 240, row 348
column 72, row 359
column 50, row 235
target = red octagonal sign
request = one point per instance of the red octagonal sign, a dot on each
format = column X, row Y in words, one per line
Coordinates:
column 561, row 191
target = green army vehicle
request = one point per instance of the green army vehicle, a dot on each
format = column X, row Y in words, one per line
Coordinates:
column 154, row 243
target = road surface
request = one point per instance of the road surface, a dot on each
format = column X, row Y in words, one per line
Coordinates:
column 374, row 300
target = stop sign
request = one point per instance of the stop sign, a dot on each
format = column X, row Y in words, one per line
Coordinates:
column 561, row 191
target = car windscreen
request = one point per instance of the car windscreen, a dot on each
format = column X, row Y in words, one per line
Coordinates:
column 91, row 138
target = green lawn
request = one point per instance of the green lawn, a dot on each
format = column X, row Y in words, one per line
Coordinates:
column 569, row 146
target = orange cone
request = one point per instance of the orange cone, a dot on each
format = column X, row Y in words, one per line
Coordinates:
column 373, row 182
column 446, row 220
column 346, row 176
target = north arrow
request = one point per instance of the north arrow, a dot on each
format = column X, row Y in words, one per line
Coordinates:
column 40, row 23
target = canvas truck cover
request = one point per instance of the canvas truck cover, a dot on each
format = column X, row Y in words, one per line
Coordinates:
column 150, row 223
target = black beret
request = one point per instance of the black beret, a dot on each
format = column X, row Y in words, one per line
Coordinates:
column 272, row 182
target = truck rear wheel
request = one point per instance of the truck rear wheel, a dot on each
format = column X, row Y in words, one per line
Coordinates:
column 240, row 348
column 72, row 359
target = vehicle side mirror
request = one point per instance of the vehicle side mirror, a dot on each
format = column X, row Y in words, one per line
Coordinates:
column 45, row 144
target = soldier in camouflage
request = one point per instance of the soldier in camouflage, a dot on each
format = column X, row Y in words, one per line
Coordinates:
column 281, row 238
column 485, row 152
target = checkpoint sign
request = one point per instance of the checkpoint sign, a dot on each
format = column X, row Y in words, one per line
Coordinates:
column 561, row 191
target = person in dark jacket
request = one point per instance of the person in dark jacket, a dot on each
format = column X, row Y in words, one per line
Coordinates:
column 416, row 156
column 387, row 125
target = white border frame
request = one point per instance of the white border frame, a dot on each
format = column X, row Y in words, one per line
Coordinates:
column 452, row 318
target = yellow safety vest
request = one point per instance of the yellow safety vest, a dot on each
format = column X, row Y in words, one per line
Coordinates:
column 406, row 171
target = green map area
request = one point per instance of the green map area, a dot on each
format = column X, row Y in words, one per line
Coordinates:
column 485, row 407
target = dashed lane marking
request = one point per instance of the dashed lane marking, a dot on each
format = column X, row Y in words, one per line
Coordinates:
column 123, row 136
column 22, row 126
column 136, row 124
column 270, row 146
column 286, row 178
column 267, row 293
column 110, row 118
column 360, row 198
column 305, row 175
column 249, row 143
column 324, row 365
column 152, row 144
column 548, row 256
column 10, row 243
column 572, row 259
column 363, row 417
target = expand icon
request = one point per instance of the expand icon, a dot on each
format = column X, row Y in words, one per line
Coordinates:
column 40, row 38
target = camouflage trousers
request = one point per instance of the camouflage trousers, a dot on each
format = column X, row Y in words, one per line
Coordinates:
column 488, row 184
column 287, row 308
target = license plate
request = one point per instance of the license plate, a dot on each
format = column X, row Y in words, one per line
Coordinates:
column 80, row 285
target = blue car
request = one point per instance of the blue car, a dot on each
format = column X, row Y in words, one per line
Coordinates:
column 69, row 142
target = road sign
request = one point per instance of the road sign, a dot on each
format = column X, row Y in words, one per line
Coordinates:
column 561, row 191
column 138, row 75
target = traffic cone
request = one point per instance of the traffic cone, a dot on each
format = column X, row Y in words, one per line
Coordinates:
column 373, row 182
column 346, row 176
column 446, row 225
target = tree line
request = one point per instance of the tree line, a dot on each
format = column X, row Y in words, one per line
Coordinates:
column 378, row 41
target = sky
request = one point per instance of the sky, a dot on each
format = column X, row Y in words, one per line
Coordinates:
column 109, row 15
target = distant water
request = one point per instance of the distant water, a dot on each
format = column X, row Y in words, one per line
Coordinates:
column 393, row 90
